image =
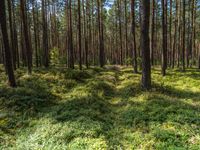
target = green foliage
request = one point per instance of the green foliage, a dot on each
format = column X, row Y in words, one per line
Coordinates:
column 129, row 61
column 139, row 60
column 100, row 109
column 56, row 58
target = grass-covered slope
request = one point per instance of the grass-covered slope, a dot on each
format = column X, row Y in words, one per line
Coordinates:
column 59, row 109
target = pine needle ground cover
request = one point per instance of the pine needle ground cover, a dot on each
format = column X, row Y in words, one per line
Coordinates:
column 104, row 109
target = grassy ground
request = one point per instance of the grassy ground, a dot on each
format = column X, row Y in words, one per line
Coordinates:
column 100, row 109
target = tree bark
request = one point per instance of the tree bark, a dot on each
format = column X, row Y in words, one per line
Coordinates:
column 28, row 47
column 183, row 38
column 153, row 33
column 134, row 51
column 8, row 57
column 79, row 35
column 175, row 36
column 45, row 35
column 145, row 47
column 164, row 37
column 100, row 27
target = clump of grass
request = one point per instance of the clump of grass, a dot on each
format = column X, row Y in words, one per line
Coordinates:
column 78, row 75
column 103, row 87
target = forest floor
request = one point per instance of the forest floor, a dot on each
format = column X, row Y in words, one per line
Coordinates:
column 92, row 109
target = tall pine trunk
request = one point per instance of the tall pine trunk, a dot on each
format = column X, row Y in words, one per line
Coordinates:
column 8, row 57
column 145, row 45
column 134, row 51
column 164, row 37
column 28, row 47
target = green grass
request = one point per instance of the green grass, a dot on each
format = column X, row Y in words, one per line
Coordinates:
column 100, row 109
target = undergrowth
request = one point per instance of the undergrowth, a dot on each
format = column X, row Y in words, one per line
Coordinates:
column 100, row 109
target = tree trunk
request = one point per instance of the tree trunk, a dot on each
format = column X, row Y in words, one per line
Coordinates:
column 126, row 31
column 183, row 38
column 120, row 31
column 28, row 47
column 153, row 33
column 79, row 35
column 100, row 27
column 8, row 57
column 13, row 50
column 175, row 36
column 15, row 36
column 35, row 33
column 170, row 35
column 70, row 37
column 45, row 34
column 164, row 34
column 134, row 51
column 145, row 47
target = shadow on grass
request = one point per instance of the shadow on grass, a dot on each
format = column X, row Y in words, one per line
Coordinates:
column 34, row 93
column 39, row 91
column 158, row 113
column 20, row 104
column 31, row 93
column 94, row 115
column 177, row 93
column 158, row 108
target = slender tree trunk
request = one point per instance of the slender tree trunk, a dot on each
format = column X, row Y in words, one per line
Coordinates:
column 164, row 34
column 26, row 36
column 35, row 33
column 15, row 42
column 145, row 45
column 126, row 30
column 45, row 34
column 179, row 35
column 120, row 31
column 175, row 36
column 70, row 38
column 13, row 50
column 153, row 33
column 183, row 38
column 88, row 33
column 79, row 35
column 100, row 26
column 193, row 30
column 170, row 35
column 8, row 57
column 134, row 51
column 189, row 35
